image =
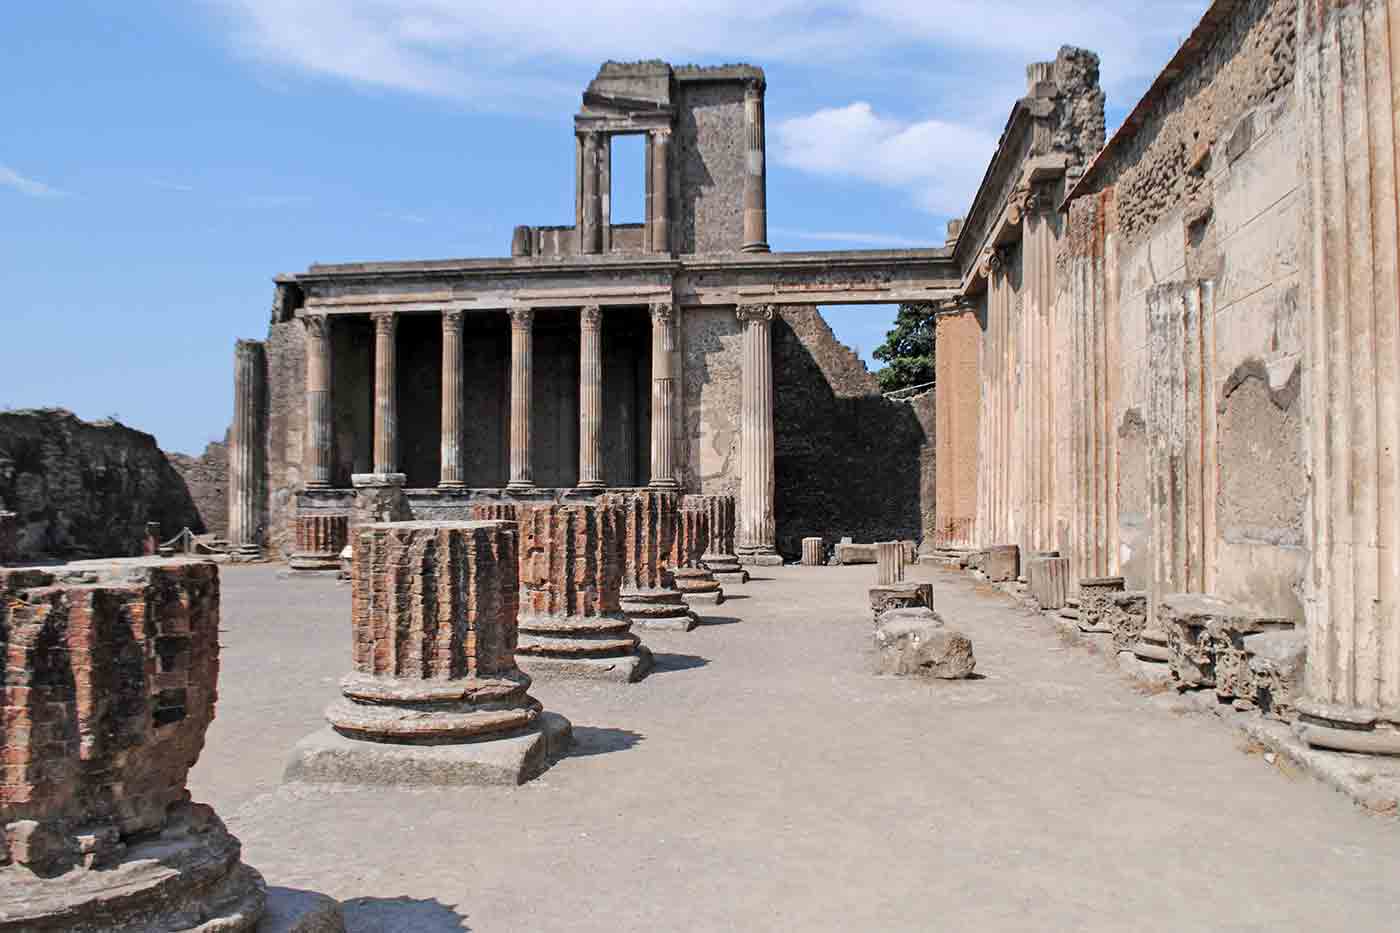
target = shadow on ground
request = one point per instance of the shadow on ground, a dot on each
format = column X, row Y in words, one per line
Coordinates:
column 664, row 663
column 401, row 915
column 717, row 620
column 600, row 740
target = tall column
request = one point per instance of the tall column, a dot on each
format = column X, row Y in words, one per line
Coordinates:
column 660, row 164
column 590, row 399
column 450, row 473
column 522, row 475
column 757, row 534
column 663, row 395
column 319, row 423
column 386, row 418
column 246, row 447
column 591, row 231
column 1346, row 84
column 756, row 173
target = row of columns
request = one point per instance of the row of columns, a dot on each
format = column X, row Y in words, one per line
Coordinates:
column 594, row 217
column 757, row 415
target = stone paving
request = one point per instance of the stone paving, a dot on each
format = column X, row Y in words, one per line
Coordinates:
column 761, row 776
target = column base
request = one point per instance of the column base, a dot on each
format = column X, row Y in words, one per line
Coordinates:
column 453, row 486
column 1348, row 729
column 359, row 480
column 756, row 248
column 521, row 486
column 591, row 485
column 664, row 484
column 762, row 556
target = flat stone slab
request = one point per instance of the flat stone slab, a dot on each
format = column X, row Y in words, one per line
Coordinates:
column 290, row 910
column 628, row 669
column 705, row 599
column 761, row 560
column 327, row 757
column 731, row 577
column 672, row 623
column 847, row 554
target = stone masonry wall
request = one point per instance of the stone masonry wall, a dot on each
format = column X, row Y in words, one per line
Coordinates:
column 286, row 419
column 710, row 148
column 206, row 477
column 83, row 488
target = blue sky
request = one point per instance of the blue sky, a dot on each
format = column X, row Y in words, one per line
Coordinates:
column 160, row 161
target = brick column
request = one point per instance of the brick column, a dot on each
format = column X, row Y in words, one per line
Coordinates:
column 756, row 173
column 590, row 230
column 386, row 418
column 590, row 399
column 660, row 162
column 1346, row 83
column 663, row 396
column 757, row 533
column 522, row 475
column 450, row 473
column 246, row 448
column 319, row 452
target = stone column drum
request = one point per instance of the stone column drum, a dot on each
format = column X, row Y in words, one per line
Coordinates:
column 1048, row 578
column 571, row 618
column 696, row 582
column 719, row 557
column 757, row 533
column 108, row 692
column 813, row 552
column 649, row 594
column 319, row 437
column 435, row 696
column 522, row 475
column 450, row 471
column 245, row 519
column 1347, row 83
column 889, row 557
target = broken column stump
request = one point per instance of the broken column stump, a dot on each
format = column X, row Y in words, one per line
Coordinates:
column 697, row 583
column 1096, row 603
column 915, row 642
column 813, row 552
column 435, row 696
column 899, row 596
column 110, row 678
column 571, row 618
column 1001, row 563
column 649, row 594
column 9, row 537
column 320, row 537
column 719, row 557
column 1049, row 581
column 889, row 556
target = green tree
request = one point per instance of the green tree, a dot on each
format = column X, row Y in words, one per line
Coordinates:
column 908, row 349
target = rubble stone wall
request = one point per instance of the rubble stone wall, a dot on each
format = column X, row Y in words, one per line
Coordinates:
column 711, row 148
column 206, row 477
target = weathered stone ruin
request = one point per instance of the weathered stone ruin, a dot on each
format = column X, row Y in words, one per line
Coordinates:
column 813, row 552
column 649, row 594
column 571, row 619
column 435, row 696
column 915, row 642
column 1048, row 578
column 108, row 687
column 1209, row 645
column 911, row 595
column 696, row 582
column 889, row 557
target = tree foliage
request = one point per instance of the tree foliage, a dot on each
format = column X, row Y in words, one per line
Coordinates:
column 908, row 349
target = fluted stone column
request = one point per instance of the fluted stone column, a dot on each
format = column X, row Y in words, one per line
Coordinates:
column 450, row 473
column 319, row 422
column 756, row 173
column 661, row 190
column 522, row 475
column 663, row 396
column 246, row 448
column 591, row 231
column 590, row 399
column 757, row 534
column 386, row 416
column 1346, row 84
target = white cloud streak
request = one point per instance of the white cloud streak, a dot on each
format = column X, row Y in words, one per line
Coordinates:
column 28, row 186
column 862, row 239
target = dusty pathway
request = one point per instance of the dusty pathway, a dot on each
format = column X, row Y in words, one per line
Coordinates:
column 762, row 779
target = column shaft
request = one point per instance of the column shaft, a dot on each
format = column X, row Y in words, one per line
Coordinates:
column 590, row 233
column 319, row 424
column 246, row 446
column 590, row 399
column 663, row 395
column 757, row 536
column 1346, row 83
column 450, row 474
column 386, row 420
column 756, row 174
column 660, row 163
column 522, row 475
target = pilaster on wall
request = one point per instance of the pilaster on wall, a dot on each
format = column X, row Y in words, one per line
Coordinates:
column 1347, row 86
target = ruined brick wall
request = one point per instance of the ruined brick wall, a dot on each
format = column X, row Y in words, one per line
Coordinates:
column 710, row 148
column 83, row 488
column 206, row 477
column 848, row 461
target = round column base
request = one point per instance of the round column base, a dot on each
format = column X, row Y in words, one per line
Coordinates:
column 1348, row 729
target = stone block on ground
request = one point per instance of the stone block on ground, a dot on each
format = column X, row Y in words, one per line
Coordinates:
column 1276, row 663
column 915, row 642
column 813, row 552
column 848, row 554
column 907, row 595
column 1096, row 603
column 1001, row 563
column 1206, row 644
column 1049, row 581
column 1127, row 617
column 889, row 556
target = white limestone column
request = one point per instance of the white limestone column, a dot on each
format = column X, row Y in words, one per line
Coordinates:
column 757, row 532
column 590, row 399
column 590, row 231
column 660, row 164
column 386, row 417
column 450, row 474
column 1346, row 84
column 663, row 395
column 319, row 453
column 756, row 173
column 522, row 474
column 246, row 447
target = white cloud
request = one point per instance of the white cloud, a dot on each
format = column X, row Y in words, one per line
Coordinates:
column 29, row 186
column 939, row 163
column 841, row 236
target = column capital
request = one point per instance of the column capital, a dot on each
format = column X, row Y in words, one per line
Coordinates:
column 384, row 321
column 590, row 316
column 521, row 318
column 662, row 312
column 760, row 313
column 753, row 89
column 452, row 319
column 660, row 132
column 317, row 325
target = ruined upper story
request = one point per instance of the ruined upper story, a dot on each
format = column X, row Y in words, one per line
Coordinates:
column 705, row 163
